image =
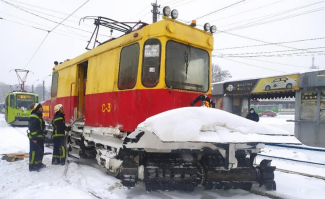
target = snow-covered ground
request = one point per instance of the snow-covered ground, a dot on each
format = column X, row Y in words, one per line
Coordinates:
column 80, row 181
column 280, row 121
column 296, row 154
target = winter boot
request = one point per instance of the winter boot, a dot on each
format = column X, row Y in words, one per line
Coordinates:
column 33, row 169
column 55, row 162
column 62, row 163
column 42, row 166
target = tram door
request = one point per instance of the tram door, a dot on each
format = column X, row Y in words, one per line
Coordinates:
column 82, row 82
column 6, row 108
column 236, row 106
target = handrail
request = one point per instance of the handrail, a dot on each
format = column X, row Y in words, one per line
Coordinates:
column 83, row 99
column 70, row 98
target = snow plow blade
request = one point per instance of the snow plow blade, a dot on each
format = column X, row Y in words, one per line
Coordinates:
column 187, row 147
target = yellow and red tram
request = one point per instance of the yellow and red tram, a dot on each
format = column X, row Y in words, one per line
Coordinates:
column 160, row 67
column 109, row 90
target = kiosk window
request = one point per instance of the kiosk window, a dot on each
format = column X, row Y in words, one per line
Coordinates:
column 322, row 105
column 309, row 106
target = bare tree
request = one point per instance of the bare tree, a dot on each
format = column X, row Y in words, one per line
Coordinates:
column 5, row 88
column 219, row 75
column 38, row 89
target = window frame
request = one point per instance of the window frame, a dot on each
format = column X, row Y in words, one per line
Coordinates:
column 57, row 85
column 209, row 68
column 119, row 71
column 12, row 105
column 160, row 48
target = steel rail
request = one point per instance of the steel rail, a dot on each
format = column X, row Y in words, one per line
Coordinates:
column 281, row 158
column 297, row 147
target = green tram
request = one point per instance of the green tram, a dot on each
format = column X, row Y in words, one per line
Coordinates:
column 263, row 108
column 17, row 107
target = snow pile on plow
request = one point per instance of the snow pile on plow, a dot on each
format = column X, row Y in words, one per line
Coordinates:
column 201, row 124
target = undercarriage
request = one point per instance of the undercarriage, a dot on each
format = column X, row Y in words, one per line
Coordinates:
column 184, row 172
column 225, row 166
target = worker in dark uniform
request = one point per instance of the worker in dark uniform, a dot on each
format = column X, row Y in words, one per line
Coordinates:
column 36, row 127
column 59, row 128
column 252, row 115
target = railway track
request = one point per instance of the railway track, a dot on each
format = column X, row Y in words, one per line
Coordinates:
column 255, row 190
column 181, row 195
column 275, row 195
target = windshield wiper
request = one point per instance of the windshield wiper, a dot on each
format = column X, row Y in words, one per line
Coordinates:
column 186, row 63
column 187, row 59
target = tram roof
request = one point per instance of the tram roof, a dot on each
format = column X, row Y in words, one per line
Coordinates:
column 167, row 27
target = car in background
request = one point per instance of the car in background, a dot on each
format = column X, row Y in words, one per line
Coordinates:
column 280, row 83
column 267, row 113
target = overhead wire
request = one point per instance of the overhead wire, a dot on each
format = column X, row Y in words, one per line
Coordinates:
column 247, row 11
column 256, row 39
column 39, row 25
column 23, row 24
column 235, row 54
column 224, row 8
column 226, row 31
column 37, row 28
column 285, row 42
column 31, row 5
column 274, row 20
column 47, row 14
column 18, row 7
column 253, row 65
column 172, row 3
column 51, row 31
column 140, row 12
column 184, row 3
column 275, row 62
column 275, row 14
column 277, row 55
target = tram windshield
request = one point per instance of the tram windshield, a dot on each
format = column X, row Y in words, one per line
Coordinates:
column 187, row 67
column 24, row 101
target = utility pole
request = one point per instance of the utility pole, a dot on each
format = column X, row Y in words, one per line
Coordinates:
column 155, row 11
column 44, row 87
column 43, row 90
column 33, row 85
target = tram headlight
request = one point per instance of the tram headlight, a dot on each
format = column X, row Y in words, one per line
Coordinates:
column 213, row 29
column 166, row 11
column 174, row 14
column 206, row 27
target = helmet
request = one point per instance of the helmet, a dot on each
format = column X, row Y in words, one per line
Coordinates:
column 34, row 106
column 57, row 107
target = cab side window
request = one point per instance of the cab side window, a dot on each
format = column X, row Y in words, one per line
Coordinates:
column 129, row 61
column 12, row 101
column 151, row 63
column 55, row 81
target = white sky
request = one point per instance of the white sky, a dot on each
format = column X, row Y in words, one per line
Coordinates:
column 18, row 42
